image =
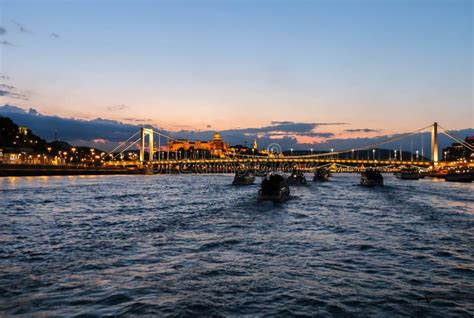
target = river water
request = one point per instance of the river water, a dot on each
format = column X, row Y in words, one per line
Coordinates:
column 187, row 245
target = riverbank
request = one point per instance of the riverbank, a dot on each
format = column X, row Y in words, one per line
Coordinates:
column 24, row 170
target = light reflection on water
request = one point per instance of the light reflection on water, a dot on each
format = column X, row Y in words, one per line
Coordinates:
column 191, row 245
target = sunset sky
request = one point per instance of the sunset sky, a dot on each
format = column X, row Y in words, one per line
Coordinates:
column 390, row 66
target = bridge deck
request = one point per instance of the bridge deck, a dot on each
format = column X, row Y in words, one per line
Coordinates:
column 266, row 160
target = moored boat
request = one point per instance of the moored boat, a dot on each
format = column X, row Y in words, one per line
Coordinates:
column 274, row 188
column 408, row 173
column 460, row 175
column 321, row 174
column 371, row 177
column 243, row 178
column 297, row 177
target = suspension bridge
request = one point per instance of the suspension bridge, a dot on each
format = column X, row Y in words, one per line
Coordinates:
column 154, row 152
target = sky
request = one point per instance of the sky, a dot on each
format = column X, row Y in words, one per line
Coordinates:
column 351, row 68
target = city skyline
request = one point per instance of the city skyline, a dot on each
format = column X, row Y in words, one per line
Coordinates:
column 107, row 134
column 207, row 66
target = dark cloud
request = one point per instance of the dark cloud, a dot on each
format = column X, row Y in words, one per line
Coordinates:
column 117, row 107
column 3, row 31
column 12, row 92
column 362, row 130
column 137, row 120
column 279, row 128
column 12, row 95
column 317, row 124
column 55, row 35
column 280, row 122
column 7, row 43
column 306, row 134
column 21, row 27
column 33, row 111
column 9, row 87
column 105, row 121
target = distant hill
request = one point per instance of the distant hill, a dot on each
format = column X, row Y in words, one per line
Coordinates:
column 21, row 139
column 14, row 137
column 60, row 145
column 74, row 131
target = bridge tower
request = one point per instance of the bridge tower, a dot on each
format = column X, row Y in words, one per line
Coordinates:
column 434, row 144
column 146, row 132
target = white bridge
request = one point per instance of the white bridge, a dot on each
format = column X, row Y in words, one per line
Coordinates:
column 145, row 141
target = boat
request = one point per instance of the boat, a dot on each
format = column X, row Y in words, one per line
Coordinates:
column 321, row 174
column 297, row 177
column 460, row 174
column 274, row 188
column 408, row 173
column 243, row 178
column 261, row 173
column 371, row 177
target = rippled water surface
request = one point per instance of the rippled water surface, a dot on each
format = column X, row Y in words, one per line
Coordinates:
column 195, row 245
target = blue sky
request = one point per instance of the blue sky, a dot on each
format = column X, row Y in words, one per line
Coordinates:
column 390, row 66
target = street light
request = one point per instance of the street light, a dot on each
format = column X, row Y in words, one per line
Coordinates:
column 417, row 155
column 395, row 152
column 445, row 153
column 311, row 151
column 352, row 155
column 291, row 151
column 373, row 153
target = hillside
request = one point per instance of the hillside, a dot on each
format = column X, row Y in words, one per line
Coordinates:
column 19, row 138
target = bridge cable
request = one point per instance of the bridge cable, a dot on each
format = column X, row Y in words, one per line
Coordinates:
column 457, row 139
column 374, row 145
column 121, row 144
column 130, row 145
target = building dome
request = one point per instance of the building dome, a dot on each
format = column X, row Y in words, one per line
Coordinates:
column 217, row 137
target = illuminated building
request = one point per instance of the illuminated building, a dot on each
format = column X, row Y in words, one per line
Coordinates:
column 23, row 131
column 459, row 152
column 254, row 151
column 215, row 147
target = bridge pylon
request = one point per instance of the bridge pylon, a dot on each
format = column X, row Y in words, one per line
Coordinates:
column 434, row 144
column 143, row 133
